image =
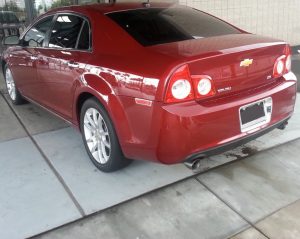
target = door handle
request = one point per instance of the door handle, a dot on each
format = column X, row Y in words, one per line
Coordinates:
column 73, row 64
column 33, row 58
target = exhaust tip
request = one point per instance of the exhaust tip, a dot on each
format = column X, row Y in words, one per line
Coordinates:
column 283, row 125
column 193, row 165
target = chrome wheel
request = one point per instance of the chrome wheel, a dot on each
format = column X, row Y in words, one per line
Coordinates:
column 96, row 135
column 10, row 84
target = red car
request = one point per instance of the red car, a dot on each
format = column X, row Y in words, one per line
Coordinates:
column 155, row 81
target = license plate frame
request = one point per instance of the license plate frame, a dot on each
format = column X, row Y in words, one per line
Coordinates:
column 262, row 108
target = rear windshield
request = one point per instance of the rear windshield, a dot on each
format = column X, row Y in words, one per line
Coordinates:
column 151, row 26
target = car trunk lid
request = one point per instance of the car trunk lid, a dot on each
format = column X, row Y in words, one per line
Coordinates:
column 235, row 62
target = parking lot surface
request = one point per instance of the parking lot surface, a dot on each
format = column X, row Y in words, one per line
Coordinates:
column 256, row 197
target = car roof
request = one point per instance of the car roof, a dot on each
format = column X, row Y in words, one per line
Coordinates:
column 113, row 7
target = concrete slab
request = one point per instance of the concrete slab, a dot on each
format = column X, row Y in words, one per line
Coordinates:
column 36, row 119
column 250, row 233
column 185, row 210
column 261, row 184
column 284, row 224
column 10, row 128
column 31, row 198
column 66, row 151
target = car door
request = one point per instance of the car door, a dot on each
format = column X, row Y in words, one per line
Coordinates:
column 62, row 62
column 24, row 58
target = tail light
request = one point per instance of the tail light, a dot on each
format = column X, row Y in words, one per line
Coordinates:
column 203, row 85
column 279, row 66
column 180, row 86
column 283, row 63
column 288, row 61
column 183, row 87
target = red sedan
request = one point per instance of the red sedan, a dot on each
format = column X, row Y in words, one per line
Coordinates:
column 156, row 82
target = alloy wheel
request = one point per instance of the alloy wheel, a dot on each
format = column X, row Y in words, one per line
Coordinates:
column 97, row 135
column 10, row 84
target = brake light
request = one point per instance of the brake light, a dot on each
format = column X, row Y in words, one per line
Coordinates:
column 203, row 86
column 288, row 64
column 288, row 61
column 182, row 86
column 283, row 63
column 279, row 66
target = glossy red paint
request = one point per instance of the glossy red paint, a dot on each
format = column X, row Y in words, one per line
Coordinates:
column 118, row 74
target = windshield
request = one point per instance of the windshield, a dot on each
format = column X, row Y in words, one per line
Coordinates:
column 151, row 26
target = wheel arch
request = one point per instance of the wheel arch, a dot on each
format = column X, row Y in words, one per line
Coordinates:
column 80, row 101
column 110, row 102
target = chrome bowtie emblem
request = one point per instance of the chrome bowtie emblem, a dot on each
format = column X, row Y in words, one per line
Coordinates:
column 246, row 62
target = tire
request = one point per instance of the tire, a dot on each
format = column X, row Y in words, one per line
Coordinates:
column 11, row 87
column 100, row 134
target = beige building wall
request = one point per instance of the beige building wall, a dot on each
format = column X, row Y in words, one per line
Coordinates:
column 276, row 18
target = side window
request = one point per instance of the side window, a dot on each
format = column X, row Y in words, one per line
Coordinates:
column 65, row 31
column 36, row 35
column 84, row 38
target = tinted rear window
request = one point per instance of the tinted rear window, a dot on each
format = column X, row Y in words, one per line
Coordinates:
column 151, row 26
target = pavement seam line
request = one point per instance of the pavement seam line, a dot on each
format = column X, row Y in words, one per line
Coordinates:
column 276, row 211
column 241, row 232
column 48, row 162
column 231, row 207
column 192, row 176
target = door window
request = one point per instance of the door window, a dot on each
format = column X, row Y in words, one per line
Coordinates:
column 84, row 38
column 35, row 37
column 65, row 31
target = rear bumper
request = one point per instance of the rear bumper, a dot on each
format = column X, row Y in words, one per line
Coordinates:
column 235, row 143
column 181, row 132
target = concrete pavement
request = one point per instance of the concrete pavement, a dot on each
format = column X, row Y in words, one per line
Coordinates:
column 257, row 197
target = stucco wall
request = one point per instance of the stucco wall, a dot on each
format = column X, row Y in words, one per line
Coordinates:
column 275, row 18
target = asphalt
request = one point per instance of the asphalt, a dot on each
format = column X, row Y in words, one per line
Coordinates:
column 50, row 189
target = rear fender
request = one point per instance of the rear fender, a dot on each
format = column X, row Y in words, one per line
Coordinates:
column 101, row 89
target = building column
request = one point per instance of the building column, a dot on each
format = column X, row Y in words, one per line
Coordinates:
column 30, row 10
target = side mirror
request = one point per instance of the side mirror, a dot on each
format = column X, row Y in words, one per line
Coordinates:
column 11, row 40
